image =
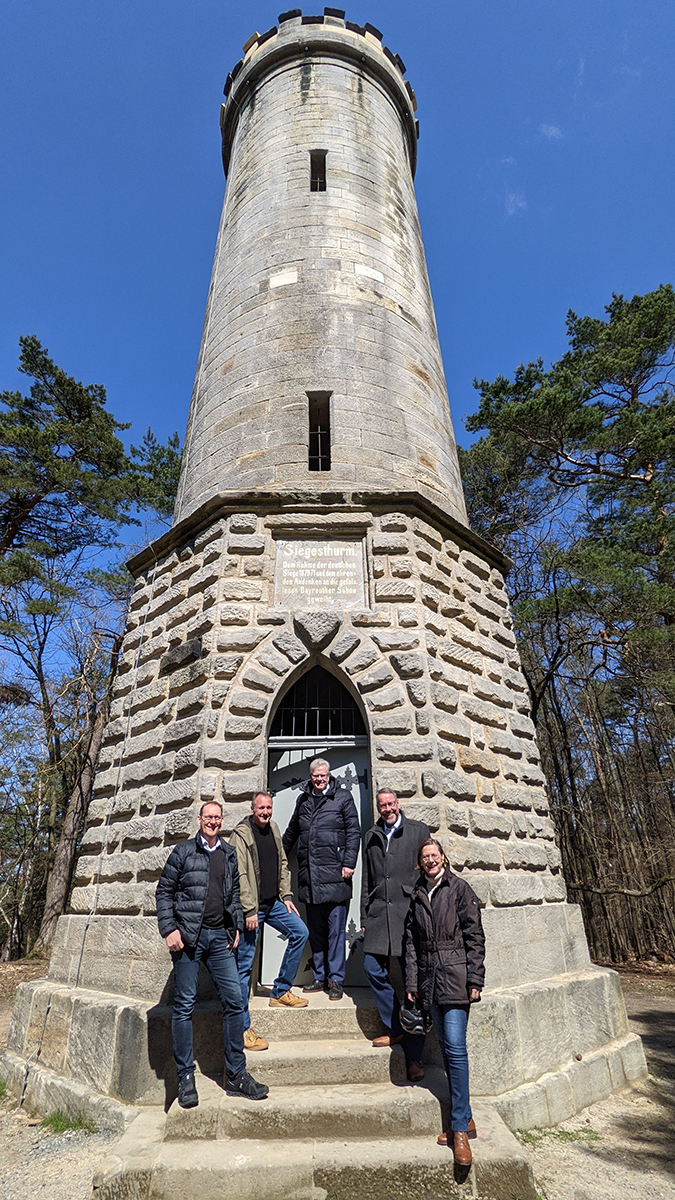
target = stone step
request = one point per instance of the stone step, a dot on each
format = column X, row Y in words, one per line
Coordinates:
column 362, row 1111
column 354, row 1015
column 143, row 1166
column 326, row 1061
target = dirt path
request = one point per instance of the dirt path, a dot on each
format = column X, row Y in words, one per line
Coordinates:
column 621, row 1149
column 624, row 1147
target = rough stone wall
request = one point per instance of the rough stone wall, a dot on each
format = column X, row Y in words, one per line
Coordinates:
column 434, row 664
column 319, row 291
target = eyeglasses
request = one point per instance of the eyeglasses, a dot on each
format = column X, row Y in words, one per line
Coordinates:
column 430, row 858
column 211, row 820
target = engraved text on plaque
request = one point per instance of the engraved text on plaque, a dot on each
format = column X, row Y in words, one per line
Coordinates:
column 313, row 574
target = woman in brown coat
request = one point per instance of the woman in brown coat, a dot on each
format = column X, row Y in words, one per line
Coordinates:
column 445, row 954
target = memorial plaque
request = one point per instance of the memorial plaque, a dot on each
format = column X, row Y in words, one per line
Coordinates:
column 312, row 574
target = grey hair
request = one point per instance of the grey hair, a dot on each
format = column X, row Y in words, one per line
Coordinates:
column 208, row 803
column 267, row 795
column 318, row 762
column 385, row 792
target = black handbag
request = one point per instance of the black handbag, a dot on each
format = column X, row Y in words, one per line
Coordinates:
column 415, row 1019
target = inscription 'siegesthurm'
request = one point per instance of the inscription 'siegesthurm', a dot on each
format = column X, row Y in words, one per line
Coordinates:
column 313, row 574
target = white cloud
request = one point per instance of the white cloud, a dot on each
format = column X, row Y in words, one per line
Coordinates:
column 515, row 201
column 551, row 132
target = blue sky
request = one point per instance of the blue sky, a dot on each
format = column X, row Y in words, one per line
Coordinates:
column 545, row 177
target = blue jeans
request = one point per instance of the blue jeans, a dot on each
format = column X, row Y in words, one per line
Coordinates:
column 450, row 1022
column 376, row 967
column 294, row 930
column 211, row 949
column 327, row 925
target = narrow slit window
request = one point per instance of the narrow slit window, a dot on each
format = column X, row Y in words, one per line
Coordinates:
column 317, row 170
column 319, row 431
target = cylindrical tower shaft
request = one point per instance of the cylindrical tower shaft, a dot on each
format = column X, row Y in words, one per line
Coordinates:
column 320, row 363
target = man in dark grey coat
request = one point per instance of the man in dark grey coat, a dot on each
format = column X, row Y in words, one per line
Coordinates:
column 326, row 827
column 389, row 875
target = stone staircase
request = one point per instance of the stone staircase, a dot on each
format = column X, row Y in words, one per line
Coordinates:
column 340, row 1123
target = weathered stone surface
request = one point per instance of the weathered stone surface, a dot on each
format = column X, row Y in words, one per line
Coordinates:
column 259, row 679
column 376, row 678
column 396, row 640
column 240, row 639
column 362, row 659
column 232, row 754
column 225, row 666
column 403, row 782
column 240, row 785
column 408, row 666
column 242, row 727
column 392, row 722
column 525, row 855
column 417, row 691
column 242, row 589
column 289, row 645
column 477, row 760
column 389, row 544
column 409, row 749
column 243, row 523
column 514, row 797
column 428, row 813
column 490, row 822
column 274, row 662
column 457, row 818
column 436, row 780
column 235, row 614
column 317, row 629
column 394, row 589
column 242, row 543
column 248, row 702
column 481, row 855
column 346, row 644
column 391, row 698
column 453, row 728
column 185, row 653
column 514, row 888
column 444, row 697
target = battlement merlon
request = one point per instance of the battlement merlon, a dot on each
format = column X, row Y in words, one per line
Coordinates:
column 300, row 38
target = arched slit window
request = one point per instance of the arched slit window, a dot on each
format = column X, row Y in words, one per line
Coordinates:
column 317, row 706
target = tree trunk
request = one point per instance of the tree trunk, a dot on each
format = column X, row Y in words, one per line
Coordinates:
column 61, row 874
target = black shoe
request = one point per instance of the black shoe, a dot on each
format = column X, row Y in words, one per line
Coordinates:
column 187, row 1092
column 335, row 991
column 317, row 985
column 245, row 1085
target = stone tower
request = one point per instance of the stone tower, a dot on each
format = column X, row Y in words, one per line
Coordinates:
column 321, row 543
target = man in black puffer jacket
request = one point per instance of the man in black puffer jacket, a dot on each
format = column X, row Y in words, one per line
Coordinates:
column 200, row 918
column 326, row 827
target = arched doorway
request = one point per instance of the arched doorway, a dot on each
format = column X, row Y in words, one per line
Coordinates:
column 317, row 717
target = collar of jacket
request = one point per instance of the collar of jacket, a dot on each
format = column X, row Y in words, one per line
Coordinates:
column 197, row 841
column 379, row 829
column 421, row 885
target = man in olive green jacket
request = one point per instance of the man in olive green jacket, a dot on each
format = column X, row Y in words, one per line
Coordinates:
column 266, row 897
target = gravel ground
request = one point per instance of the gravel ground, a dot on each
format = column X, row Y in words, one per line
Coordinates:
column 34, row 1162
column 621, row 1149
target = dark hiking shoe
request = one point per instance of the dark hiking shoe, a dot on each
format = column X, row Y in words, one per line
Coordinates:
column 245, row 1085
column 187, row 1092
column 317, row 985
column 335, row 991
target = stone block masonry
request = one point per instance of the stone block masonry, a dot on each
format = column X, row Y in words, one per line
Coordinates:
column 434, row 667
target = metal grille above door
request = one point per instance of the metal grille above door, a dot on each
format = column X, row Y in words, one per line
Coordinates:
column 318, row 705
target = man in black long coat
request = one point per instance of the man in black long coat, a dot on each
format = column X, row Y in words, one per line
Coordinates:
column 389, row 875
column 326, row 827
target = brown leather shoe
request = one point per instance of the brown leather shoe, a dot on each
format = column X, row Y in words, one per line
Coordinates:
column 386, row 1039
column 253, row 1041
column 442, row 1139
column 461, row 1149
column 415, row 1071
